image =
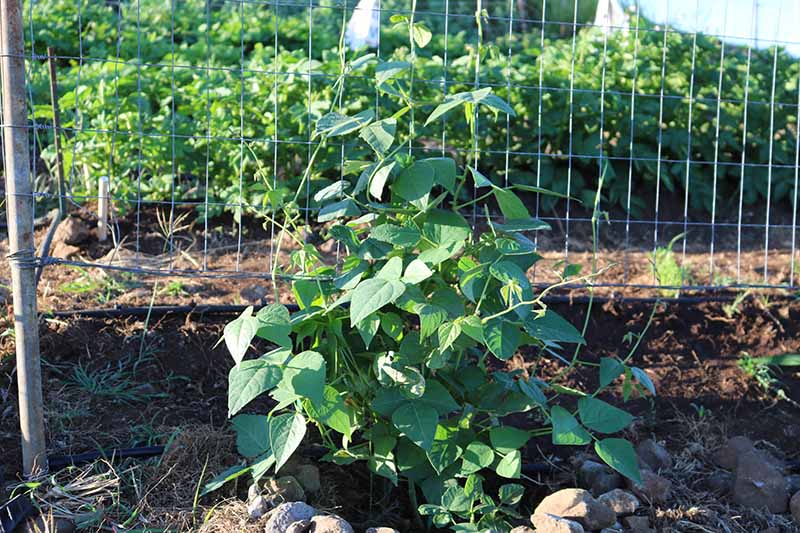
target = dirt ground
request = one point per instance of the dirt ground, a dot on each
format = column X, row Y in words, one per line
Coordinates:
column 126, row 380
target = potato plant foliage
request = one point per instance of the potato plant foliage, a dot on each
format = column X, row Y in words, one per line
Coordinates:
column 398, row 355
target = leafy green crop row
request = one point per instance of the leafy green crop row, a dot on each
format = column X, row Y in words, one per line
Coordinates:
column 251, row 90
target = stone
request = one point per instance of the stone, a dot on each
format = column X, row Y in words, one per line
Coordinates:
column 616, row 528
column 257, row 507
column 794, row 507
column 638, row 524
column 393, row 530
column 720, row 482
column 759, row 483
column 330, row 524
column 62, row 250
column 772, row 529
column 301, row 526
column 653, row 488
column 577, row 505
column 598, row 478
column 308, row 477
column 283, row 489
column 287, row 514
column 793, row 482
column 253, row 293
column 253, row 492
column 71, row 230
column 654, row 455
column 728, row 455
column 547, row 523
column 518, row 529
column 620, row 501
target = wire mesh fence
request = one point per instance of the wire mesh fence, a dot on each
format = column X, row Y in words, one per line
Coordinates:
column 200, row 114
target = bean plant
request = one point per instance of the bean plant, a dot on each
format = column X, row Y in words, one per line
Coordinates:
column 399, row 355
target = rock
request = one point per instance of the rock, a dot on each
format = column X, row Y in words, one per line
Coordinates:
column 63, row 250
column 728, row 455
column 620, row 501
column 759, row 483
column 638, row 524
column 392, row 530
column 253, row 492
column 308, row 477
column 577, row 505
column 616, row 528
column 257, row 507
column 547, row 523
column 518, row 529
column 720, row 482
column 254, row 293
column 287, row 514
column 772, row 529
column 598, row 478
column 71, row 230
column 46, row 524
column 654, row 455
column 794, row 507
column 330, row 524
column 653, row 488
column 283, row 489
column 302, row 526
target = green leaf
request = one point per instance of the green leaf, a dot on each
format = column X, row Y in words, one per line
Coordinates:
column 334, row 190
column 566, row 428
column 224, row 477
column 510, row 466
column 387, row 400
column 502, row 338
column 551, row 327
column 382, row 460
column 512, row 226
column 456, row 500
column 286, row 432
column 445, row 171
column 438, row 397
column 385, row 71
column 249, row 380
column 380, row 135
column 473, row 328
column 416, row 272
column 252, row 434
column 444, row 450
column 447, row 334
column 368, row 327
column 601, row 416
column 274, row 325
column 379, row 179
column 422, row 35
column 508, row 438
column 780, row 360
column 239, row 333
column 261, row 466
column 510, row 205
column 404, row 236
column 392, row 270
column 479, row 179
column 417, row 422
column 334, row 413
column 430, row 318
column 511, row 493
column 341, row 209
column 445, row 227
column 304, row 376
column 610, row 369
column 334, row 124
column 530, row 389
column 476, row 457
column 642, row 377
column 619, row 455
column 371, row 295
column 414, row 184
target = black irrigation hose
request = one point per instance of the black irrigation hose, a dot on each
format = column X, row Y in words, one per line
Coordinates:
column 19, row 508
column 161, row 310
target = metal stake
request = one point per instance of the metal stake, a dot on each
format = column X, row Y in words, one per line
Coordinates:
column 19, row 213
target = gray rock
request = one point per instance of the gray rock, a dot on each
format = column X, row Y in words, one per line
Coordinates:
column 653, row 488
column 620, row 501
column 302, row 526
column 794, row 507
column 638, row 524
column 393, row 530
column 254, row 293
column 616, row 528
column 308, row 477
column 257, row 507
column 287, row 514
column 728, row 455
column 547, row 523
column 577, row 505
column 759, row 483
column 253, row 492
column 598, row 478
column 793, row 482
column 71, row 230
column 720, row 482
column 654, row 455
column 330, row 524
column 283, row 489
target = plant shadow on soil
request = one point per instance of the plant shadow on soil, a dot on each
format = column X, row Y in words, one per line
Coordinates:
column 107, row 384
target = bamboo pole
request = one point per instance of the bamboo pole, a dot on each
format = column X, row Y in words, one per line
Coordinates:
column 19, row 213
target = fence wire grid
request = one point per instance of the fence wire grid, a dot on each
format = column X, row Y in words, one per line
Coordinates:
column 201, row 114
